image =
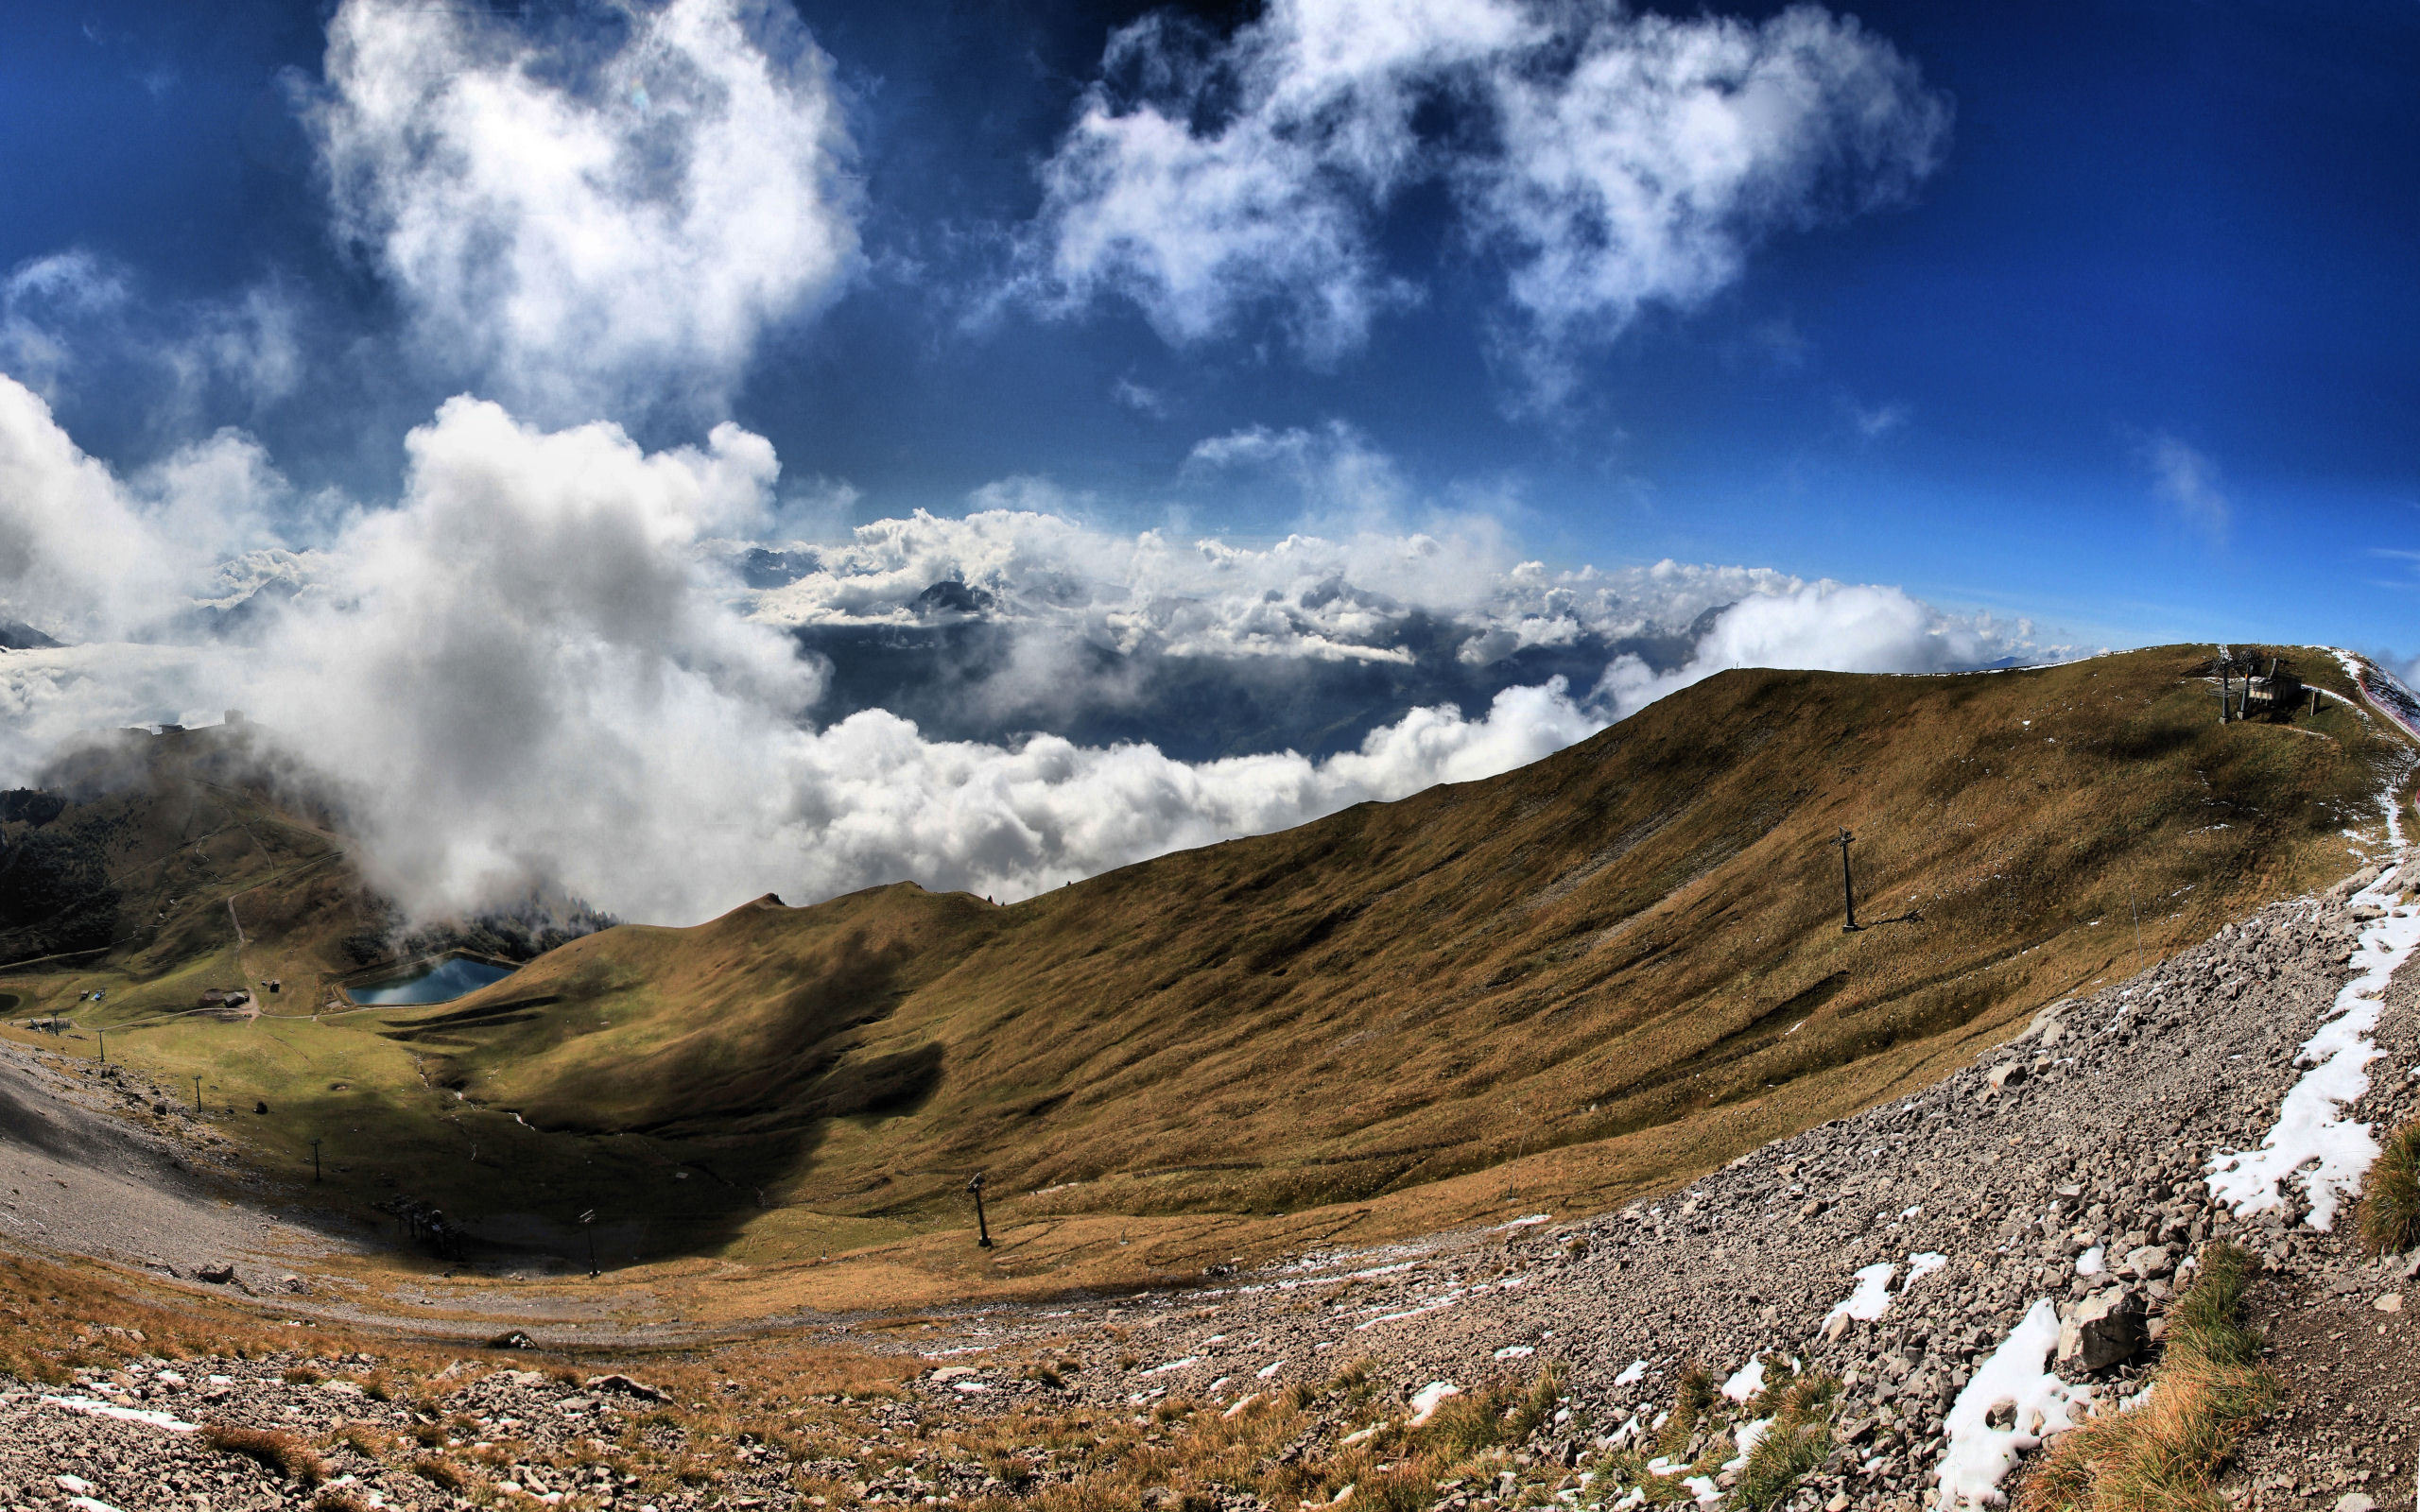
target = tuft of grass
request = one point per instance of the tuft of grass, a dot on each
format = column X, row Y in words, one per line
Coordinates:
column 2166, row 1455
column 1499, row 1413
column 2391, row 1195
column 342, row 1499
column 1796, row 1443
column 365, row 1439
column 441, row 1472
column 1692, row 1398
column 281, row 1451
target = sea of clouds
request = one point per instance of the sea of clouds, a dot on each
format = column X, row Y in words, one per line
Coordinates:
column 543, row 666
column 559, row 661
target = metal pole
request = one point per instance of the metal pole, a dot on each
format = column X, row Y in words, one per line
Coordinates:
column 196, row 1094
column 982, row 1227
column 587, row 1227
column 2138, row 926
column 1848, row 895
column 104, row 1045
column 314, row 1159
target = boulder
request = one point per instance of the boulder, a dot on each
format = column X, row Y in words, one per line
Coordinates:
column 2145, row 1262
column 215, row 1275
column 628, row 1387
column 2107, row 1328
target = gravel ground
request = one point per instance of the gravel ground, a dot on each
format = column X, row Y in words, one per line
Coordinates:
column 99, row 1161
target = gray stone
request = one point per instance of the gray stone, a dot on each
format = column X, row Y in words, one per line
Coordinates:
column 2106, row 1330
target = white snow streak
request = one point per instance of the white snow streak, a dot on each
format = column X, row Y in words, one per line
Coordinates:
column 1979, row 1455
column 2311, row 1129
column 93, row 1408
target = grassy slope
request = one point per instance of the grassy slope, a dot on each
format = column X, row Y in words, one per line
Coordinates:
column 1628, row 954
column 1605, row 973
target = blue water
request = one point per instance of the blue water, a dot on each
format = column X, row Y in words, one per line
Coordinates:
column 451, row 978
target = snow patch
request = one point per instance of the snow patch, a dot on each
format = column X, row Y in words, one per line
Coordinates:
column 1632, row 1373
column 1746, row 1382
column 93, row 1408
column 1979, row 1455
column 2311, row 1131
column 1745, row 1442
column 2092, row 1261
column 1515, row 1352
column 1871, row 1297
column 1430, row 1398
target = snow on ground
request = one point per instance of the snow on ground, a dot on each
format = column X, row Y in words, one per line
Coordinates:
column 2384, row 691
column 1746, row 1382
column 94, row 1408
column 1871, row 1297
column 2016, row 1374
column 2312, row 1142
column 1430, row 1398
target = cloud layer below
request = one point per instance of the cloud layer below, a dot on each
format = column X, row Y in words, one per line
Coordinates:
column 541, row 666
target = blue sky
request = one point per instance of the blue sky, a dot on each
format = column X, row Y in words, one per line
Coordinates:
column 2148, row 222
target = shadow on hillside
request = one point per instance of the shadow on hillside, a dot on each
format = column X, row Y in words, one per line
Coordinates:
column 673, row 1150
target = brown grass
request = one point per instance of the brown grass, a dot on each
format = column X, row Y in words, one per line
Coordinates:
column 1627, row 928
column 281, row 1451
column 2390, row 1217
column 441, row 1472
column 2166, row 1455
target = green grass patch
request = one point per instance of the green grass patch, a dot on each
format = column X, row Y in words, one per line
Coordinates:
column 2390, row 1215
column 2166, row 1455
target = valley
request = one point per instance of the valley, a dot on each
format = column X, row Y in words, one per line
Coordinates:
column 1568, row 1086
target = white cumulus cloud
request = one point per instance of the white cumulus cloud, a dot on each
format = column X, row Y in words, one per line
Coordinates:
column 579, row 222
column 1610, row 159
column 1824, row 627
